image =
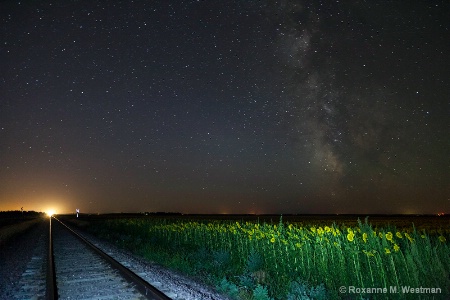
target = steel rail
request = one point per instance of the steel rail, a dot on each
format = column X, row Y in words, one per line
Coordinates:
column 148, row 290
column 51, row 291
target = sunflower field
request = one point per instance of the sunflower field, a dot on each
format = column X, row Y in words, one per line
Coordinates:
column 282, row 260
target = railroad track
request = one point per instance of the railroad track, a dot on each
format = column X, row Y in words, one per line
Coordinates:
column 73, row 268
column 79, row 270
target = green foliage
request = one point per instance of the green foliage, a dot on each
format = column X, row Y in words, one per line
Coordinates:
column 247, row 282
column 254, row 262
column 288, row 261
column 228, row 288
column 302, row 291
column 221, row 258
column 261, row 293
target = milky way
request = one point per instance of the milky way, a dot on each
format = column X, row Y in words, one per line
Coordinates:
column 357, row 73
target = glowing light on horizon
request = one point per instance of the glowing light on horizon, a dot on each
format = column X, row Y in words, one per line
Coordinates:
column 50, row 212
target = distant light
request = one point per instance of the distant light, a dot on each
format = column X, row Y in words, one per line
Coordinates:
column 50, row 212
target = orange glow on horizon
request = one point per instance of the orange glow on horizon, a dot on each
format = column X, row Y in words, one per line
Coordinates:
column 42, row 203
column 50, row 212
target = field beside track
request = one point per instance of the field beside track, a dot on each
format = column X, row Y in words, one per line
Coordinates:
column 293, row 257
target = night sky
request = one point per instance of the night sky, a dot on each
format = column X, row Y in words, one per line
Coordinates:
column 225, row 106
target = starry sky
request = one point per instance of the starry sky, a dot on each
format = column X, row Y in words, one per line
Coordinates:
column 225, row 106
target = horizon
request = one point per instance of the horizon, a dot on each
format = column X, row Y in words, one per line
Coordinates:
column 163, row 213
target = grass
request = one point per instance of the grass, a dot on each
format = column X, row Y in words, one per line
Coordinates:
column 7, row 232
column 253, row 260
